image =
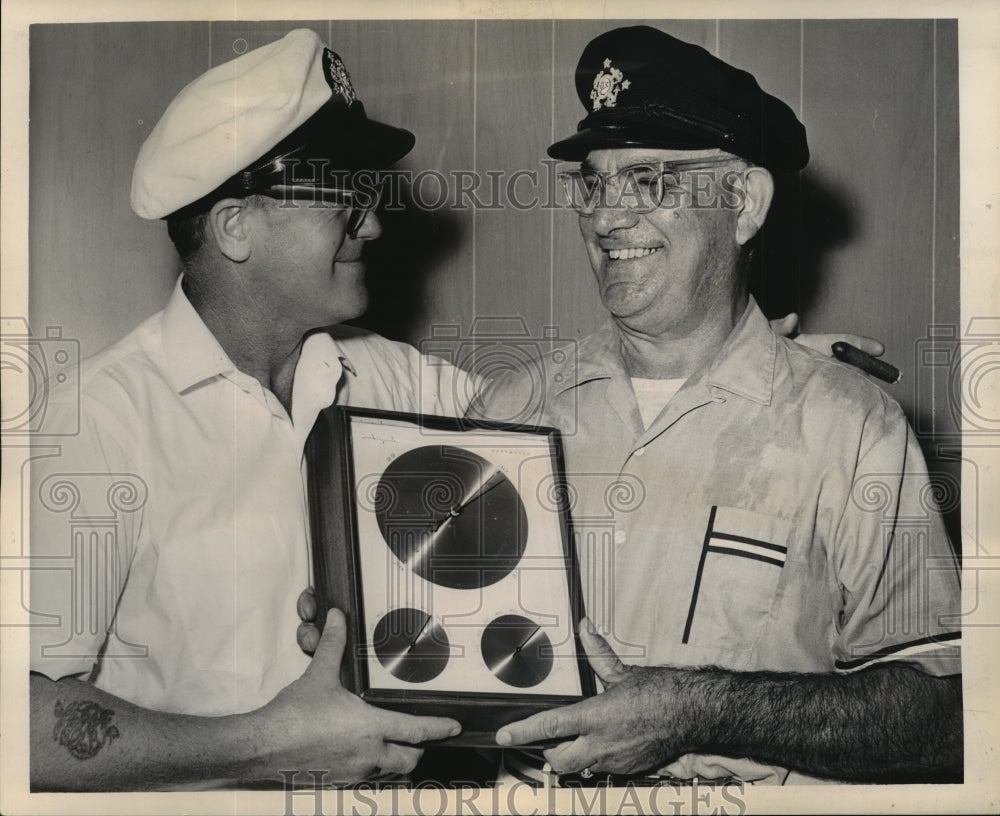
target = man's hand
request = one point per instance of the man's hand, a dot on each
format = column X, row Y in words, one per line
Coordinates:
column 627, row 729
column 617, row 731
column 787, row 326
column 316, row 723
column 308, row 633
column 83, row 738
column 888, row 723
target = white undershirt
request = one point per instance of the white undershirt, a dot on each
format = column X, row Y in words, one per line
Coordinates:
column 653, row 396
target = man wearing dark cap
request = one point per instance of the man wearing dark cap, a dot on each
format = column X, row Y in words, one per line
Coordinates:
column 172, row 655
column 751, row 518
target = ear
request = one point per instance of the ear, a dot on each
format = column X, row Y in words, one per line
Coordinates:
column 229, row 226
column 758, row 192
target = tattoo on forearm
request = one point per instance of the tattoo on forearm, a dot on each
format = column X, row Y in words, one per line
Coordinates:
column 83, row 728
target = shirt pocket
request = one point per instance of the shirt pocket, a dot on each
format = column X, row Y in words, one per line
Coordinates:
column 742, row 560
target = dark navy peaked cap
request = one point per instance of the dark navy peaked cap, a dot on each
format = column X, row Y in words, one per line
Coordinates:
column 643, row 88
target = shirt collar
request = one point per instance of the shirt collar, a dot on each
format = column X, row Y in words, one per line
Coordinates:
column 743, row 366
column 745, row 363
column 596, row 358
column 321, row 364
column 192, row 353
column 318, row 376
column 335, row 334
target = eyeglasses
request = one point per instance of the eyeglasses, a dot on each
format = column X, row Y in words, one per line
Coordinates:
column 639, row 188
column 356, row 203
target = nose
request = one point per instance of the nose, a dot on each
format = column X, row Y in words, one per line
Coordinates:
column 371, row 227
column 606, row 219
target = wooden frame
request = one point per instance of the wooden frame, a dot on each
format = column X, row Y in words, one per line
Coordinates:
column 447, row 545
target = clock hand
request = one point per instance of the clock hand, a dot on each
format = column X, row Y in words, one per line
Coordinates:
column 474, row 495
column 495, row 478
column 455, row 512
column 503, row 663
column 529, row 637
column 399, row 658
column 416, row 637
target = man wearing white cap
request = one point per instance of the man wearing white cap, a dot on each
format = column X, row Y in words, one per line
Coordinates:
column 172, row 655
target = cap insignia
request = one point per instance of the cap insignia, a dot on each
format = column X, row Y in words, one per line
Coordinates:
column 337, row 77
column 607, row 85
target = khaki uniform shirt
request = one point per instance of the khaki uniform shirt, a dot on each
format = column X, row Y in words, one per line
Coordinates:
column 776, row 515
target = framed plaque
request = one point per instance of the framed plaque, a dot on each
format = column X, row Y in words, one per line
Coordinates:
column 447, row 546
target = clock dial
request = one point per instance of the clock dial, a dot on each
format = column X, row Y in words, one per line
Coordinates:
column 411, row 645
column 451, row 516
column 517, row 650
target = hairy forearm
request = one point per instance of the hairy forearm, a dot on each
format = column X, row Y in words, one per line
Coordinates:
column 85, row 739
column 891, row 722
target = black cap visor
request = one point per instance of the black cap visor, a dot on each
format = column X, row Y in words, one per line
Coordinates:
column 352, row 142
column 616, row 137
column 659, row 127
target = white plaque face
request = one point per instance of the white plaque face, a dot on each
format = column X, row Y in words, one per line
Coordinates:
column 463, row 573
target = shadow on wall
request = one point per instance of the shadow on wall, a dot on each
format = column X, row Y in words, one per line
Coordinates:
column 807, row 220
column 413, row 247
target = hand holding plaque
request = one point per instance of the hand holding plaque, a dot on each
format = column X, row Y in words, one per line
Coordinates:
column 448, row 547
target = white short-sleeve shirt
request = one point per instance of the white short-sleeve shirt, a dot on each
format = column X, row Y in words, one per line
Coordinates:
column 170, row 533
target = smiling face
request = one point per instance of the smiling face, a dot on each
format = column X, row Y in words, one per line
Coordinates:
column 313, row 273
column 667, row 272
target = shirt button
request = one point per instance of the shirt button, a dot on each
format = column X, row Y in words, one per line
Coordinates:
column 620, row 536
column 640, row 451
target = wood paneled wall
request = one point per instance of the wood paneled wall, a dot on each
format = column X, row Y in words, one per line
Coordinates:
column 869, row 233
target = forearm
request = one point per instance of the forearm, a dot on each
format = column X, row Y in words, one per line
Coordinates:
column 85, row 739
column 891, row 722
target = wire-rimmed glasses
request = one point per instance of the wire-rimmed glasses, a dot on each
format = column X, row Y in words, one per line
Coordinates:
column 639, row 188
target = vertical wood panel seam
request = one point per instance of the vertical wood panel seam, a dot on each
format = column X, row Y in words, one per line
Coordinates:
column 475, row 141
column 552, row 212
column 934, row 183
column 802, row 65
column 798, row 177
